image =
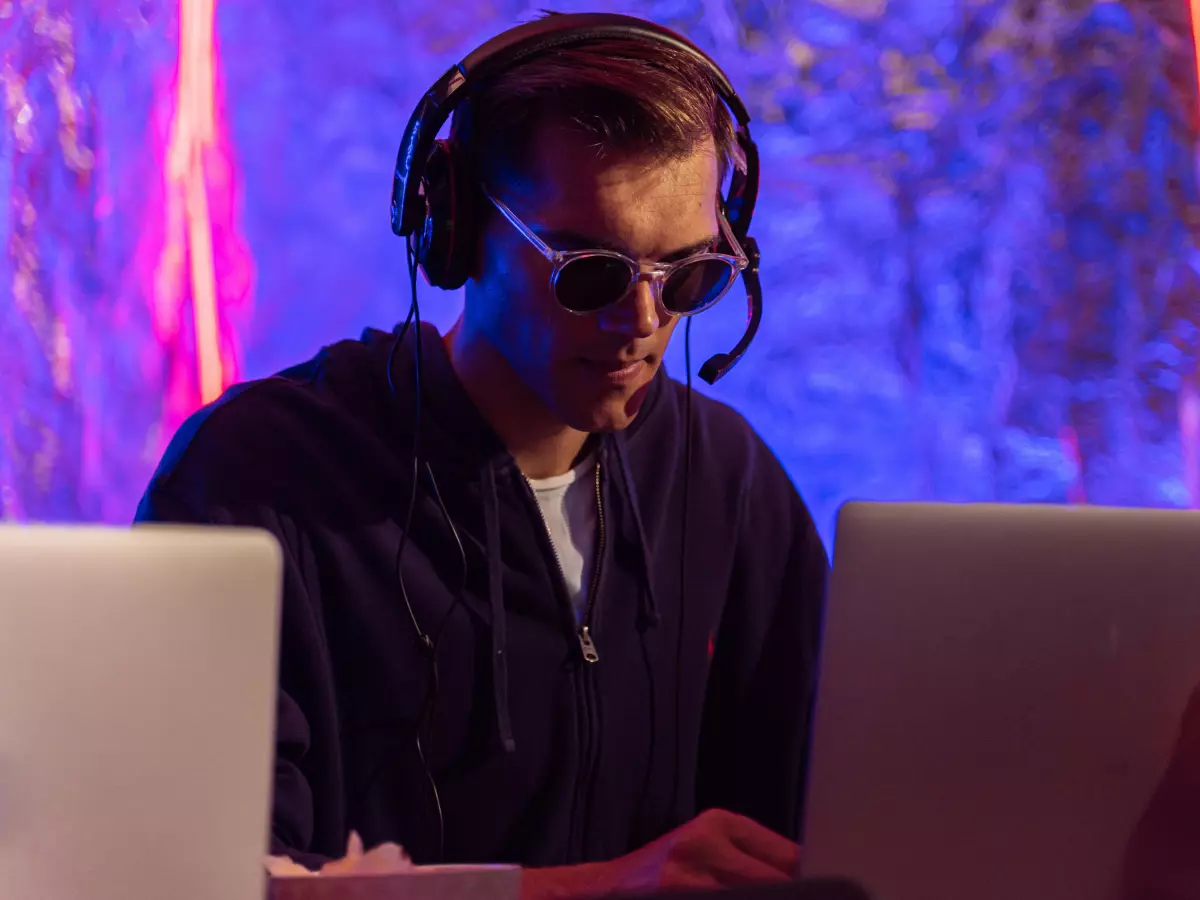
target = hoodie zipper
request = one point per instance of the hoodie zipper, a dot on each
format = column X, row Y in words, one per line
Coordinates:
column 587, row 643
column 591, row 656
column 589, row 752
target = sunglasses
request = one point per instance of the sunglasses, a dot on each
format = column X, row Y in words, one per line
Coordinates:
column 588, row 281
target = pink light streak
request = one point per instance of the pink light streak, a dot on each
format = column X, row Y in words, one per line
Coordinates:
column 192, row 137
column 1069, row 439
column 200, row 258
column 1194, row 6
column 1189, row 439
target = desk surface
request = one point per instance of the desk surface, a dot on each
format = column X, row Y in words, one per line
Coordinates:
column 404, row 886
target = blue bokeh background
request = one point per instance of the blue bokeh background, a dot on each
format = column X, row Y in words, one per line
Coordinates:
column 976, row 222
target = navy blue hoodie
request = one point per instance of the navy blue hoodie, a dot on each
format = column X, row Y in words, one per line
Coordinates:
column 702, row 692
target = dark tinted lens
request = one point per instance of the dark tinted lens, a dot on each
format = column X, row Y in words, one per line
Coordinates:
column 591, row 283
column 694, row 286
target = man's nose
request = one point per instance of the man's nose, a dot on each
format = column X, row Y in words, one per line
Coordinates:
column 637, row 314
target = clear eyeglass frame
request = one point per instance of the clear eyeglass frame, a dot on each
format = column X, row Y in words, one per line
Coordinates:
column 656, row 273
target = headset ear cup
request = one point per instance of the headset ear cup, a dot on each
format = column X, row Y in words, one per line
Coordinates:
column 467, row 195
column 444, row 250
column 732, row 204
column 743, row 188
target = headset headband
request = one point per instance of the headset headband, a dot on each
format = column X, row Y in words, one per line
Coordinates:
column 511, row 48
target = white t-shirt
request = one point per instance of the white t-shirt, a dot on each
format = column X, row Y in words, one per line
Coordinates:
column 568, row 504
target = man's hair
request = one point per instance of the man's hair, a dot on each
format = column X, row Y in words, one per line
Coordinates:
column 627, row 97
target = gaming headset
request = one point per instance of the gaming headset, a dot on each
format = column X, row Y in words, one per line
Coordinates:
column 432, row 195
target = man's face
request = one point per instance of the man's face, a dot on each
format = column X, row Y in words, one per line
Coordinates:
column 592, row 372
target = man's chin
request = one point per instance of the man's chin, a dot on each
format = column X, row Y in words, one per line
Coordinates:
column 612, row 415
column 612, row 411
column 633, row 405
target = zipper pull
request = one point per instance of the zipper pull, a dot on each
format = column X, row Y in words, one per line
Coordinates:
column 588, row 646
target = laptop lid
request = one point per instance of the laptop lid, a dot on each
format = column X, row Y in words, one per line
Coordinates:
column 137, row 709
column 1001, row 688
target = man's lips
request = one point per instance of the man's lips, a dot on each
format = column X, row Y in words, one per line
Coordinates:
column 618, row 371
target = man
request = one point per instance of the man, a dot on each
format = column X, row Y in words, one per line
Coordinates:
column 582, row 640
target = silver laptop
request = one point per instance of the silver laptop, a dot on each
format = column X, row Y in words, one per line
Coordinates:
column 1001, row 689
column 137, row 709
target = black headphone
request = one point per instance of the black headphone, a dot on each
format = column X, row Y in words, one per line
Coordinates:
column 432, row 199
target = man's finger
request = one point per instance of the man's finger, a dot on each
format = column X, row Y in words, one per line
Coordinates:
column 737, row 867
column 763, row 844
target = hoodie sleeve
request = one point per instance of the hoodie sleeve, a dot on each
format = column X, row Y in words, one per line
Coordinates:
column 754, row 740
column 301, row 656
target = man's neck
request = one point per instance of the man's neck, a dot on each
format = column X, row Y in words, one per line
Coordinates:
column 540, row 443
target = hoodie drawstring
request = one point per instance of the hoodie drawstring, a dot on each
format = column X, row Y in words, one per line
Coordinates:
column 491, row 516
column 648, row 615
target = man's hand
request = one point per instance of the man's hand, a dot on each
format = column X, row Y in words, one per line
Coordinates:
column 716, row 849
